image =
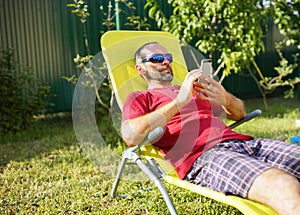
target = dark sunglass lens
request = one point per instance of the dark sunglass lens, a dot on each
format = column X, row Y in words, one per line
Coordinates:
column 169, row 57
column 157, row 58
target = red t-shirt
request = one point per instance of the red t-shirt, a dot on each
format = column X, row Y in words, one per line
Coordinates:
column 192, row 131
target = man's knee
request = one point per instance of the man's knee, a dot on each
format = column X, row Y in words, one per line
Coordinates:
column 276, row 188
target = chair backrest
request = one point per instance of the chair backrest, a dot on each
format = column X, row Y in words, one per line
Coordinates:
column 118, row 48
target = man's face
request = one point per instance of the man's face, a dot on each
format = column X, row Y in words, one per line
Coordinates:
column 159, row 71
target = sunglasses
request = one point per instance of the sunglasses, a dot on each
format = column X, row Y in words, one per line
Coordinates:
column 157, row 58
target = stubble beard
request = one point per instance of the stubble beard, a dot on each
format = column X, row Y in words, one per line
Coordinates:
column 160, row 75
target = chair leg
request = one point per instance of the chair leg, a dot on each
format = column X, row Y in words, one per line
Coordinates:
column 159, row 185
column 129, row 154
column 118, row 177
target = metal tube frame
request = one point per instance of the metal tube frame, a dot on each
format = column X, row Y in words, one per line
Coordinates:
column 130, row 154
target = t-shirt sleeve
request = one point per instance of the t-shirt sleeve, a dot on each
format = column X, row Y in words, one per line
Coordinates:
column 136, row 105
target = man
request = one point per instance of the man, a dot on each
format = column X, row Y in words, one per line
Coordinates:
column 202, row 148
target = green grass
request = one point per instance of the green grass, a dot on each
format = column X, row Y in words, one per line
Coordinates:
column 43, row 171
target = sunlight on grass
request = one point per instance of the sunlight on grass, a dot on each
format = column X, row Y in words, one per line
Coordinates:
column 43, row 171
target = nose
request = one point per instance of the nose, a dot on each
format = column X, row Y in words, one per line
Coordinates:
column 166, row 61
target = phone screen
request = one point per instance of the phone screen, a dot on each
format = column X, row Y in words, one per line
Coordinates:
column 206, row 67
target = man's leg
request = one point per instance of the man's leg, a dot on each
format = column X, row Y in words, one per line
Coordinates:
column 252, row 170
column 277, row 189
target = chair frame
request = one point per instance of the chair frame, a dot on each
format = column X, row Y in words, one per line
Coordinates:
column 154, row 173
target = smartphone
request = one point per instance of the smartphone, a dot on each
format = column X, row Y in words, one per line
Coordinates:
column 206, row 67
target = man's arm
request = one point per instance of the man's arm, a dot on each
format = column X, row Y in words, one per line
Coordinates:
column 134, row 131
column 234, row 107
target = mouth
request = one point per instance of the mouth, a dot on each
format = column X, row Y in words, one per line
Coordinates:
column 166, row 70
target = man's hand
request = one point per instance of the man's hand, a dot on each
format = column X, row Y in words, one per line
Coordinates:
column 188, row 88
column 215, row 93
column 211, row 90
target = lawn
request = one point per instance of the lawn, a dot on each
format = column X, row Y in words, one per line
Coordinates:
column 43, row 170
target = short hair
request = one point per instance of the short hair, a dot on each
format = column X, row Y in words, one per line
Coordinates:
column 138, row 52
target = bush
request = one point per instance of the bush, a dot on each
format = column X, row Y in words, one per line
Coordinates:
column 22, row 95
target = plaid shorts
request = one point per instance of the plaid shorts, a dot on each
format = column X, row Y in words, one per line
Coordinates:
column 231, row 167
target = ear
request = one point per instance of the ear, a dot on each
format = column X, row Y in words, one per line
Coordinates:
column 140, row 68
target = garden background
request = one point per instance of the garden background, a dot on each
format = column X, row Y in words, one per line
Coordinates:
column 43, row 170
column 46, row 36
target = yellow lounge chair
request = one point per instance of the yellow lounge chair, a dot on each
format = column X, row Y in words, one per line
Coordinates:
column 118, row 48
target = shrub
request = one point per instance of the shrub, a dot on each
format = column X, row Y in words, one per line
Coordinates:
column 22, row 95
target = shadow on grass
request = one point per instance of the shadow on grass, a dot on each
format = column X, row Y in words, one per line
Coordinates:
column 41, row 138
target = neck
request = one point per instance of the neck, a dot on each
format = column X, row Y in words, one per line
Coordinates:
column 152, row 85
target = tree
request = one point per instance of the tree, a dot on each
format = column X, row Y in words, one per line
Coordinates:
column 22, row 95
column 88, row 65
column 231, row 31
column 286, row 15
